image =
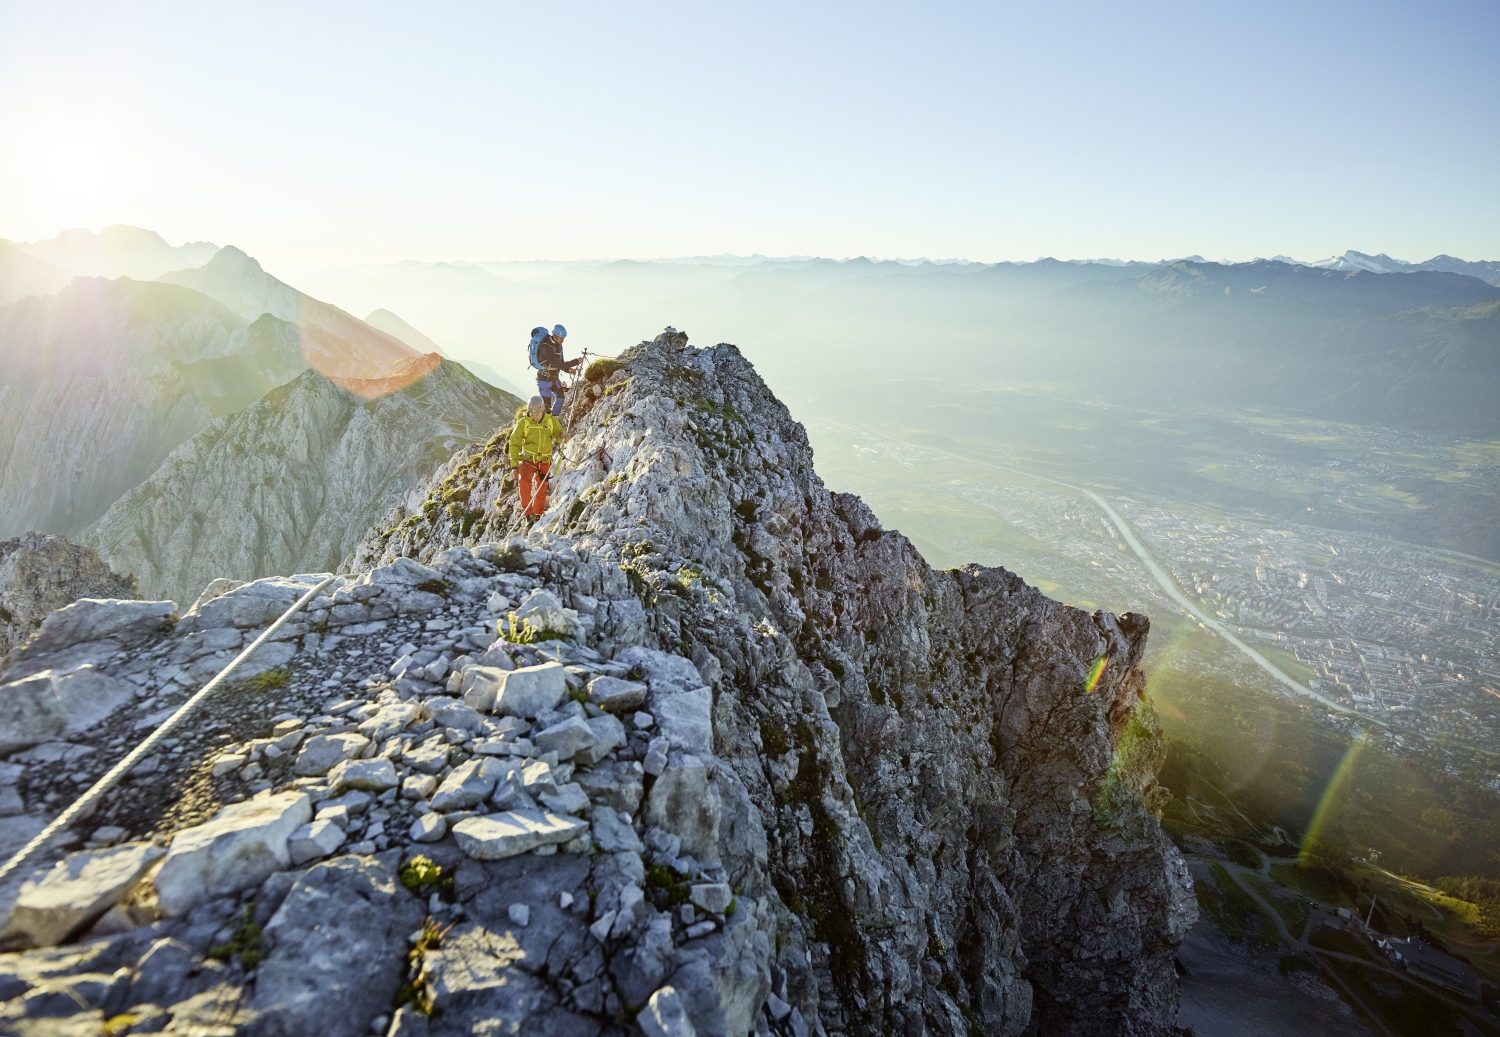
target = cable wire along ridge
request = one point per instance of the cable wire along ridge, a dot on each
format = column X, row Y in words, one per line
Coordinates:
column 85, row 804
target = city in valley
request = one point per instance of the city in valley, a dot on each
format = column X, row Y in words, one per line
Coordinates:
column 1402, row 635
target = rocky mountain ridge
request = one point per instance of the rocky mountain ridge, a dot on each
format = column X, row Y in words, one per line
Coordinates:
column 289, row 483
column 741, row 762
column 101, row 381
column 41, row 573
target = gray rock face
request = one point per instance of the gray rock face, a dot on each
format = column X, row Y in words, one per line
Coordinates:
column 289, row 483
column 74, row 893
column 913, row 751
column 339, row 943
column 41, row 572
column 861, row 797
column 238, row 849
column 49, row 705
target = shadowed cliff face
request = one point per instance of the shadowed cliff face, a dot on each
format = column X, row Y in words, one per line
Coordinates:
column 947, row 777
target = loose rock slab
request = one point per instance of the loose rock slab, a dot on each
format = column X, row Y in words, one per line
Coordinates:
column 515, row 831
column 76, row 891
column 239, row 848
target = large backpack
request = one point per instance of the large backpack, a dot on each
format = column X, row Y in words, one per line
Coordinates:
column 537, row 334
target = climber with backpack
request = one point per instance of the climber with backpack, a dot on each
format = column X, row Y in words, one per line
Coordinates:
column 546, row 356
column 533, row 439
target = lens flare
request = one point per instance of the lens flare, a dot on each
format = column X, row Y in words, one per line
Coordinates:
column 1096, row 673
column 1334, row 795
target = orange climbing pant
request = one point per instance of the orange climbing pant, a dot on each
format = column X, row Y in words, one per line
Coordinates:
column 531, row 477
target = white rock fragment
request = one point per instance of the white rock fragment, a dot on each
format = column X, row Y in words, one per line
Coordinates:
column 616, row 695
column 684, row 802
column 50, row 704
column 519, row 914
column 429, row 828
column 418, row 786
column 77, row 890
column 713, row 897
column 568, row 799
column 665, row 1015
column 227, row 763
column 600, row 929
column 314, row 840
column 325, row 752
column 339, row 815
column 613, row 832
column 542, row 609
column 390, row 720
column 514, row 831
column 685, row 719
column 527, row 692
column 241, row 846
column 375, row 775
column 467, row 786
column 566, row 738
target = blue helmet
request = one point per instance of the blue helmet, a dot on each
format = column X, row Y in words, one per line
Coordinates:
column 559, row 332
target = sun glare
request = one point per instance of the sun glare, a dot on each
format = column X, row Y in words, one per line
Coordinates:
column 76, row 168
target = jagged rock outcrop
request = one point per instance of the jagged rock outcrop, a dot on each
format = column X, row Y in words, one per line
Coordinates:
column 40, row 573
column 289, row 483
column 1020, row 879
column 740, row 762
column 101, row 381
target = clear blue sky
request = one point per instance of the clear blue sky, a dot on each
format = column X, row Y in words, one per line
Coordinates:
column 316, row 132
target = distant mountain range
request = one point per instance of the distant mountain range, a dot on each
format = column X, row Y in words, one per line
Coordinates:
column 118, row 251
column 215, row 422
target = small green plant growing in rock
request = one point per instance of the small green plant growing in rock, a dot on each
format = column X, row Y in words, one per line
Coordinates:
column 438, row 587
column 678, row 887
column 526, row 632
column 244, row 947
column 599, row 370
column 414, row 991
column 270, row 680
column 423, row 876
column 579, row 695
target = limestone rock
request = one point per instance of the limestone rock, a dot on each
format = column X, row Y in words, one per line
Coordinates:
column 527, row 692
column 42, row 572
column 684, row 802
column 468, row 786
column 50, row 705
column 322, row 753
column 515, row 831
column 616, row 695
column 317, row 838
column 367, row 775
column 665, row 1015
column 244, row 843
column 429, row 828
column 713, row 897
column 338, row 950
column 542, row 609
column 567, row 737
column 74, row 893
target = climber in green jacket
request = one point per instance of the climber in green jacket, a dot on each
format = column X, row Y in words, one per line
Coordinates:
column 535, row 435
